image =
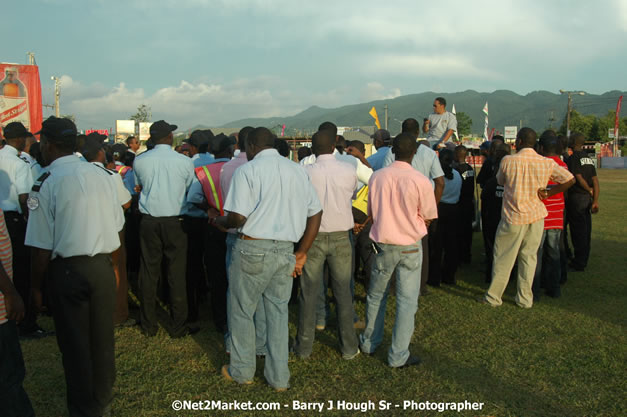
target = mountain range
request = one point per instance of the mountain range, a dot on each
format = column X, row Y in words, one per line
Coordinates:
column 538, row 110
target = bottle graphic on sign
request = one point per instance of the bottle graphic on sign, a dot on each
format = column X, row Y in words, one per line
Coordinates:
column 13, row 99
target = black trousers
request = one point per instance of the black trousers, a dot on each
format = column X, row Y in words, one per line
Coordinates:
column 426, row 242
column 489, row 225
column 196, row 279
column 82, row 293
column 580, row 222
column 466, row 217
column 363, row 250
column 163, row 237
column 14, row 401
column 16, row 226
column 444, row 246
column 215, row 253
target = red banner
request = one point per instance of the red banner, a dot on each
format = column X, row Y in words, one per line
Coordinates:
column 620, row 100
column 100, row 131
column 20, row 96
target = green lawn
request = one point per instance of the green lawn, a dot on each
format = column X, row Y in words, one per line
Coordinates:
column 564, row 357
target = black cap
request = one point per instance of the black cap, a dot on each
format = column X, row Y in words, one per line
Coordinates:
column 381, row 134
column 160, row 129
column 95, row 136
column 58, row 129
column 119, row 149
column 197, row 138
column 221, row 143
column 15, row 130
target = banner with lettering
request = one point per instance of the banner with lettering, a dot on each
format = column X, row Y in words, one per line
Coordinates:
column 20, row 96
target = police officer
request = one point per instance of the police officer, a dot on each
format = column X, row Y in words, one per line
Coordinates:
column 261, row 203
column 164, row 177
column 73, row 227
column 93, row 151
column 15, row 183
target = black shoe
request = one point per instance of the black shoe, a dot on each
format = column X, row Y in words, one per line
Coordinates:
column 575, row 268
column 367, row 353
column 128, row 323
column 411, row 361
column 34, row 332
column 148, row 333
column 187, row 331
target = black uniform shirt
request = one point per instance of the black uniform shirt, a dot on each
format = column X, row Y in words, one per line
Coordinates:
column 580, row 163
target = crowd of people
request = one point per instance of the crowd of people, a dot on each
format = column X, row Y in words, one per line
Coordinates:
column 232, row 222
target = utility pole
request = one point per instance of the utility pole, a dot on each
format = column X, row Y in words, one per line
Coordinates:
column 570, row 107
column 551, row 119
column 386, row 116
column 57, row 111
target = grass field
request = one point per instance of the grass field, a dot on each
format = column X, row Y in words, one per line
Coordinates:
column 564, row 357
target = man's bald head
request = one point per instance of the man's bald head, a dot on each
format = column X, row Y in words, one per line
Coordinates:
column 323, row 142
column 526, row 138
column 404, row 147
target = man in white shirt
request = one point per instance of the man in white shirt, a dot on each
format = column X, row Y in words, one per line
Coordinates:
column 440, row 125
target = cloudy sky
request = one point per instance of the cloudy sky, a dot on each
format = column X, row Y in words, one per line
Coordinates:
column 214, row 61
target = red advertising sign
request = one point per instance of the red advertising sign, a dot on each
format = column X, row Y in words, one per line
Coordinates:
column 100, row 131
column 20, row 96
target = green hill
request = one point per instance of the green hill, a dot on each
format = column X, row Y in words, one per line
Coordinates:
column 506, row 109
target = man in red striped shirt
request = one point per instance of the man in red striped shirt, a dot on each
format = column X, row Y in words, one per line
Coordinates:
column 548, row 271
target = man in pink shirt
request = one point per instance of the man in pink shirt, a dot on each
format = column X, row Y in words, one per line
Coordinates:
column 402, row 204
column 335, row 182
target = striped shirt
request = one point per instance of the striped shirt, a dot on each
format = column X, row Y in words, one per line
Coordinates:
column 6, row 255
column 522, row 175
column 555, row 204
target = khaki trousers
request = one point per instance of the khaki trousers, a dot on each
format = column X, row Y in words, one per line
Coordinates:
column 512, row 241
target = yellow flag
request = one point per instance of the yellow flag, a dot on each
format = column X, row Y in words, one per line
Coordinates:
column 373, row 113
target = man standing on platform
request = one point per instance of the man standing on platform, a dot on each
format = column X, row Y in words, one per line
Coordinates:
column 440, row 125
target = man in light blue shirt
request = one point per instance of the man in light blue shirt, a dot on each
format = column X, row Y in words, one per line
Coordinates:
column 273, row 204
column 382, row 144
column 164, row 177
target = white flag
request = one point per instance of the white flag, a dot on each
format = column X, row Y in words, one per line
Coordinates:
column 485, row 128
column 455, row 131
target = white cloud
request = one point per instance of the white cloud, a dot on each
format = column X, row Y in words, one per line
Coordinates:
column 376, row 91
column 428, row 66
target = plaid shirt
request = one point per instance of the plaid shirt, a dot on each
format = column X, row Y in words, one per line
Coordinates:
column 522, row 175
column 6, row 255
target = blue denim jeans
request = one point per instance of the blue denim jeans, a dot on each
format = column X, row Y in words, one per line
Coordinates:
column 323, row 311
column 260, row 270
column 260, row 313
column 408, row 262
column 335, row 249
column 548, row 268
